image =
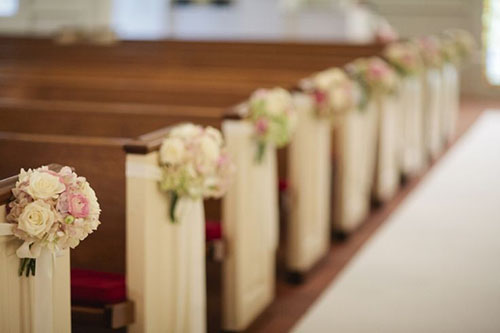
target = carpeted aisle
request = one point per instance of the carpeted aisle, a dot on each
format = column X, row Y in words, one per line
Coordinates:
column 435, row 265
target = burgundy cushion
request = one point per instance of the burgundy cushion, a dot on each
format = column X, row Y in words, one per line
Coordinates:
column 213, row 230
column 97, row 288
column 283, row 185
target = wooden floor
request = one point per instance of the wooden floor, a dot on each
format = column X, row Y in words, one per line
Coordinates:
column 292, row 301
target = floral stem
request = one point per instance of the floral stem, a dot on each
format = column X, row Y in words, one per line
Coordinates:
column 24, row 261
column 174, row 198
column 27, row 266
column 261, row 150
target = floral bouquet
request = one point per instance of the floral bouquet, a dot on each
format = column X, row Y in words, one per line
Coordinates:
column 465, row 43
column 431, row 51
column 52, row 210
column 194, row 164
column 332, row 91
column 374, row 75
column 449, row 50
column 404, row 57
column 273, row 116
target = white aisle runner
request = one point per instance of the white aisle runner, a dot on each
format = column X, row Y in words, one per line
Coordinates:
column 435, row 265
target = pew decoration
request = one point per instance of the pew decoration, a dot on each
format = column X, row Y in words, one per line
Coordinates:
column 333, row 92
column 194, row 164
column 430, row 50
column 50, row 211
column 405, row 58
column 273, row 116
column 374, row 74
column 463, row 42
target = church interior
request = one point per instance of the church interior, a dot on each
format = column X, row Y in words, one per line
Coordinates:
column 305, row 166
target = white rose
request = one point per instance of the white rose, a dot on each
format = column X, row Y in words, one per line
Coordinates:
column 36, row 218
column 210, row 149
column 215, row 134
column 185, row 131
column 172, row 151
column 43, row 185
column 277, row 101
column 327, row 80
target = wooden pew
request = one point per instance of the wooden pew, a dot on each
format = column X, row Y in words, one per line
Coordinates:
column 155, row 72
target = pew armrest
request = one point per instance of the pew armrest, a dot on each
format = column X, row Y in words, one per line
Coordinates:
column 109, row 316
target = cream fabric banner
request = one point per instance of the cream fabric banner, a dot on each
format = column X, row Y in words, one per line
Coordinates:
column 310, row 178
column 356, row 145
column 433, row 110
column 165, row 260
column 412, row 149
column 39, row 304
column 388, row 166
column 250, row 227
column 451, row 103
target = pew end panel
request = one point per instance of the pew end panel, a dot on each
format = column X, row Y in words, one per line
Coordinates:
column 165, row 260
column 250, row 227
column 310, row 173
column 355, row 144
column 387, row 169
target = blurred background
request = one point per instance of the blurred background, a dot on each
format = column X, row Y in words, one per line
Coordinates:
column 330, row 20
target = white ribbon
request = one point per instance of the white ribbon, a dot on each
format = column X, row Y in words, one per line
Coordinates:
column 40, row 293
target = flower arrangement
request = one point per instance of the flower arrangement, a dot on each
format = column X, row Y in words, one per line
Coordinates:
column 449, row 50
column 273, row 115
column 332, row 91
column 384, row 31
column 52, row 210
column 374, row 75
column 464, row 41
column 404, row 57
column 430, row 50
column 194, row 164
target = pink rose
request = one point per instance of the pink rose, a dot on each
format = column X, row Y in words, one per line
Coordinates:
column 78, row 205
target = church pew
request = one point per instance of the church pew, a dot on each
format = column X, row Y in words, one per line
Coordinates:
column 83, row 119
column 16, row 307
column 61, row 145
column 103, row 251
column 190, row 53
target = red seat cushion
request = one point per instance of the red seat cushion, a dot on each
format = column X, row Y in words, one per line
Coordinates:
column 283, row 185
column 213, row 230
column 97, row 288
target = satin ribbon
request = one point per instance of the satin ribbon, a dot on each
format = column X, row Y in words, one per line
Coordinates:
column 40, row 295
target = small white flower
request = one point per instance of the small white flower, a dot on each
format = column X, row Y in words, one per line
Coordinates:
column 36, row 218
column 210, row 149
column 172, row 151
column 43, row 185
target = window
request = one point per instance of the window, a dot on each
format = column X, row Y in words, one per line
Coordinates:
column 8, row 7
column 208, row 2
column 491, row 26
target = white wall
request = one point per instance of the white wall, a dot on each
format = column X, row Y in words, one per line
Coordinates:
column 268, row 19
column 42, row 17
